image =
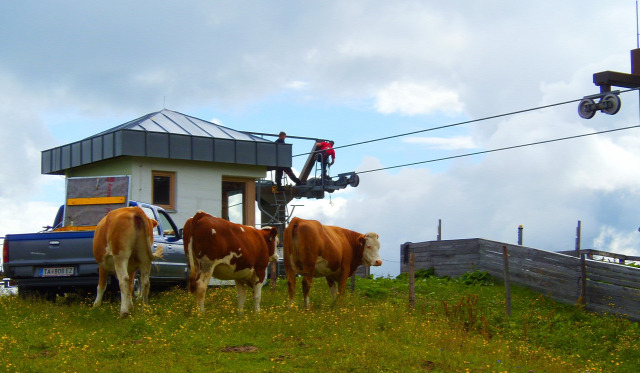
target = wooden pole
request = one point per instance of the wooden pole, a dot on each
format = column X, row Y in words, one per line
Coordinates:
column 578, row 234
column 583, row 279
column 412, row 286
column 520, row 229
column 507, row 284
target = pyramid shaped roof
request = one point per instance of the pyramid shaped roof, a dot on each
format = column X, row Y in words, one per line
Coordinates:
column 172, row 135
column 168, row 121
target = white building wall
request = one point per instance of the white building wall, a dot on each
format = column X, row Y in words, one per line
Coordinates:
column 198, row 184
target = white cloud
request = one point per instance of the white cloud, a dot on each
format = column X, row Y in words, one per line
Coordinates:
column 297, row 85
column 621, row 242
column 326, row 210
column 411, row 99
column 26, row 216
column 447, row 143
column 155, row 78
column 24, row 136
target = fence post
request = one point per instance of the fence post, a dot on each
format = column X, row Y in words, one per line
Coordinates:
column 578, row 234
column 520, row 229
column 439, row 229
column 583, row 265
column 507, row 284
column 412, row 287
column 583, row 280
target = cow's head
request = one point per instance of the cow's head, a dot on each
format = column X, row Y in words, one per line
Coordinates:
column 271, row 236
column 371, row 249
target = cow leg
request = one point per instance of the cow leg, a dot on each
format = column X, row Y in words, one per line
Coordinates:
column 125, row 286
column 202, row 283
column 132, row 280
column 332, row 287
column 242, row 295
column 257, row 295
column 342, row 282
column 306, row 288
column 144, row 282
column 102, row 285
column 291, row 279
column 291, row 286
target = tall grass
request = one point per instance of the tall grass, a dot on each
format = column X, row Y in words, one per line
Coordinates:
column 455, row 327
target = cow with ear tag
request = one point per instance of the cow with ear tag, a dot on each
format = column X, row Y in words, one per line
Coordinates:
column 122, row 244
column 227, row 251
column 312, row 249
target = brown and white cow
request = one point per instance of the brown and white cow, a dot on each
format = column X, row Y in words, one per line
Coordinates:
column 315, row 250
column 227, row 251
column 122, row 244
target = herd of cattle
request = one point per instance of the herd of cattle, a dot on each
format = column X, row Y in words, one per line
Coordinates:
column 215, row 247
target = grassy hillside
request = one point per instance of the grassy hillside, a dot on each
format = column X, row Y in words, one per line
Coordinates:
column 456, row 326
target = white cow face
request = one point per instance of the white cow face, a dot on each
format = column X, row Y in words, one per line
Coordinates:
column 274, row 257
column 371, row 254
column 272, row 241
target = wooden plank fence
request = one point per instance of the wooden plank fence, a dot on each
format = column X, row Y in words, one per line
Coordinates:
column 610, row 287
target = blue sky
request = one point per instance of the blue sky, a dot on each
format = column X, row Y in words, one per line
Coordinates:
column 349, row 71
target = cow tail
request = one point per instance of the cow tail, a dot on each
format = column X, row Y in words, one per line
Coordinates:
column 194, row 266
column 294, row 228
column 186, row 239
column 290, row 238
column 290, row 233
column 140, row 225
column 138, row 222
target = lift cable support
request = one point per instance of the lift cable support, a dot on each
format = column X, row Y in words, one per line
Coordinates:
column 273, row 202
column 609, row 101
column 273, row 205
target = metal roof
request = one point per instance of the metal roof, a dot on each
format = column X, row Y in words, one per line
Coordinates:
column 172, row 135
column 169, row 121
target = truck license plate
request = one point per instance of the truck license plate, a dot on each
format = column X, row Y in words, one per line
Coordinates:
column 56, row 271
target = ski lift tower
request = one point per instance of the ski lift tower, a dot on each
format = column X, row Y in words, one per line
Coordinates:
column 273, row 203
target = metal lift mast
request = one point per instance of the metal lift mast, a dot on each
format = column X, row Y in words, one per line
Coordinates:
column 273, row 203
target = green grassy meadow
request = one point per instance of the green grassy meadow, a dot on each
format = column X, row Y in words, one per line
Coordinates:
column 456, row 326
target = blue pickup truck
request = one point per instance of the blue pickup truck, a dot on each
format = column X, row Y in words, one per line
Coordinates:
column 55, row 262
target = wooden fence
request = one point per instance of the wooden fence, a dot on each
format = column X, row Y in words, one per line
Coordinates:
column 609, row 287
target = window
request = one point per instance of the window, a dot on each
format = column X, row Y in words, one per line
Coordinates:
column 238, row 200
column 163, row 190
column 233, row 201
column 170, row 231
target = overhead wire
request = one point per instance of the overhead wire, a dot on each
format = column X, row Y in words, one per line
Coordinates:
column 499, row 149
column 460, row 123
column 483, row 151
